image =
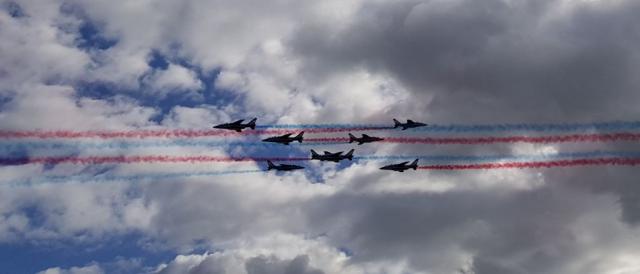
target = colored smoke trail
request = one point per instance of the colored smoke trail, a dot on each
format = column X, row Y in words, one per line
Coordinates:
column 461, row 128
column 8, row 146
column 221, row 159
column 321, row 128
column 513, row 158
column 549, row 164
column 128, row 178
column 140, row 159
column 529, row 127
column 575, row 138
column 327, row 126
column 175, row 133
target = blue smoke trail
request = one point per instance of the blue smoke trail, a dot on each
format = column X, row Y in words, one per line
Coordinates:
column 7, row 147
column 459, row 128
column 575, row 127
column 447, row 159
column 322, row 126
column 510, row 158
column 128, row 178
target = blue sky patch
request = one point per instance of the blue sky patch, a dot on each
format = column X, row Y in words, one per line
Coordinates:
column 92, row 38
column 14, row 9
column 30, row 257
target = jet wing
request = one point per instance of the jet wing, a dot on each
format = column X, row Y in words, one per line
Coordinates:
column 327, row 153
column 238, row 122
column 365, row 136
column 402, row 164
column 286, row 135
column 410, row 122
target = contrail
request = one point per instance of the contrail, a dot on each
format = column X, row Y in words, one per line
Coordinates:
column 549, row 164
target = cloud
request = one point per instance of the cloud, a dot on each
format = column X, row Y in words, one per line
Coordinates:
column 276, row 253
column 476, row 60
column 39, row 48
column 463, row 61
column 33, row 106
column 91, row 269
column 174, row 78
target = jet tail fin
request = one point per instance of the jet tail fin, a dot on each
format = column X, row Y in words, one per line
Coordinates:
column 314, row 154
column 299, row 137
column 396, row 123
column 252, row 123
column 349, row 154
column 351, row 138
column 414, row 165
column 270, row 165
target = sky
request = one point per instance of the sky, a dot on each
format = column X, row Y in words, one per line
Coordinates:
column 498, row 81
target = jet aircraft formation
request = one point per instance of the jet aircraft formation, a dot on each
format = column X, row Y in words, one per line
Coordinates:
column 336, row 157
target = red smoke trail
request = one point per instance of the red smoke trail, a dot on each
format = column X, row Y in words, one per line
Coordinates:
column 549, row 164
column 173, row 133
column 139, row 159
column 630, row 137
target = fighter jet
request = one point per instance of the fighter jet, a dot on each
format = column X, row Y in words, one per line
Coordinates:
column 401, row 167
column 364, row 139
column 409, row 124
column 237, row 125
column 333, row 157
column 285, row 139
column 282, row 167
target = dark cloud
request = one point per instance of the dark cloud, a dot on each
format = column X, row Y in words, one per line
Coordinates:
column 273, row 265
column 500, row 61
column 529, row 231
column 494, row 59
column 261, row 264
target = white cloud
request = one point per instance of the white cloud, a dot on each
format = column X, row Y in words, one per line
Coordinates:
column 35, row 49
column 57, row 107
column 174, row 78
column 277, row 254
column 91, row 269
